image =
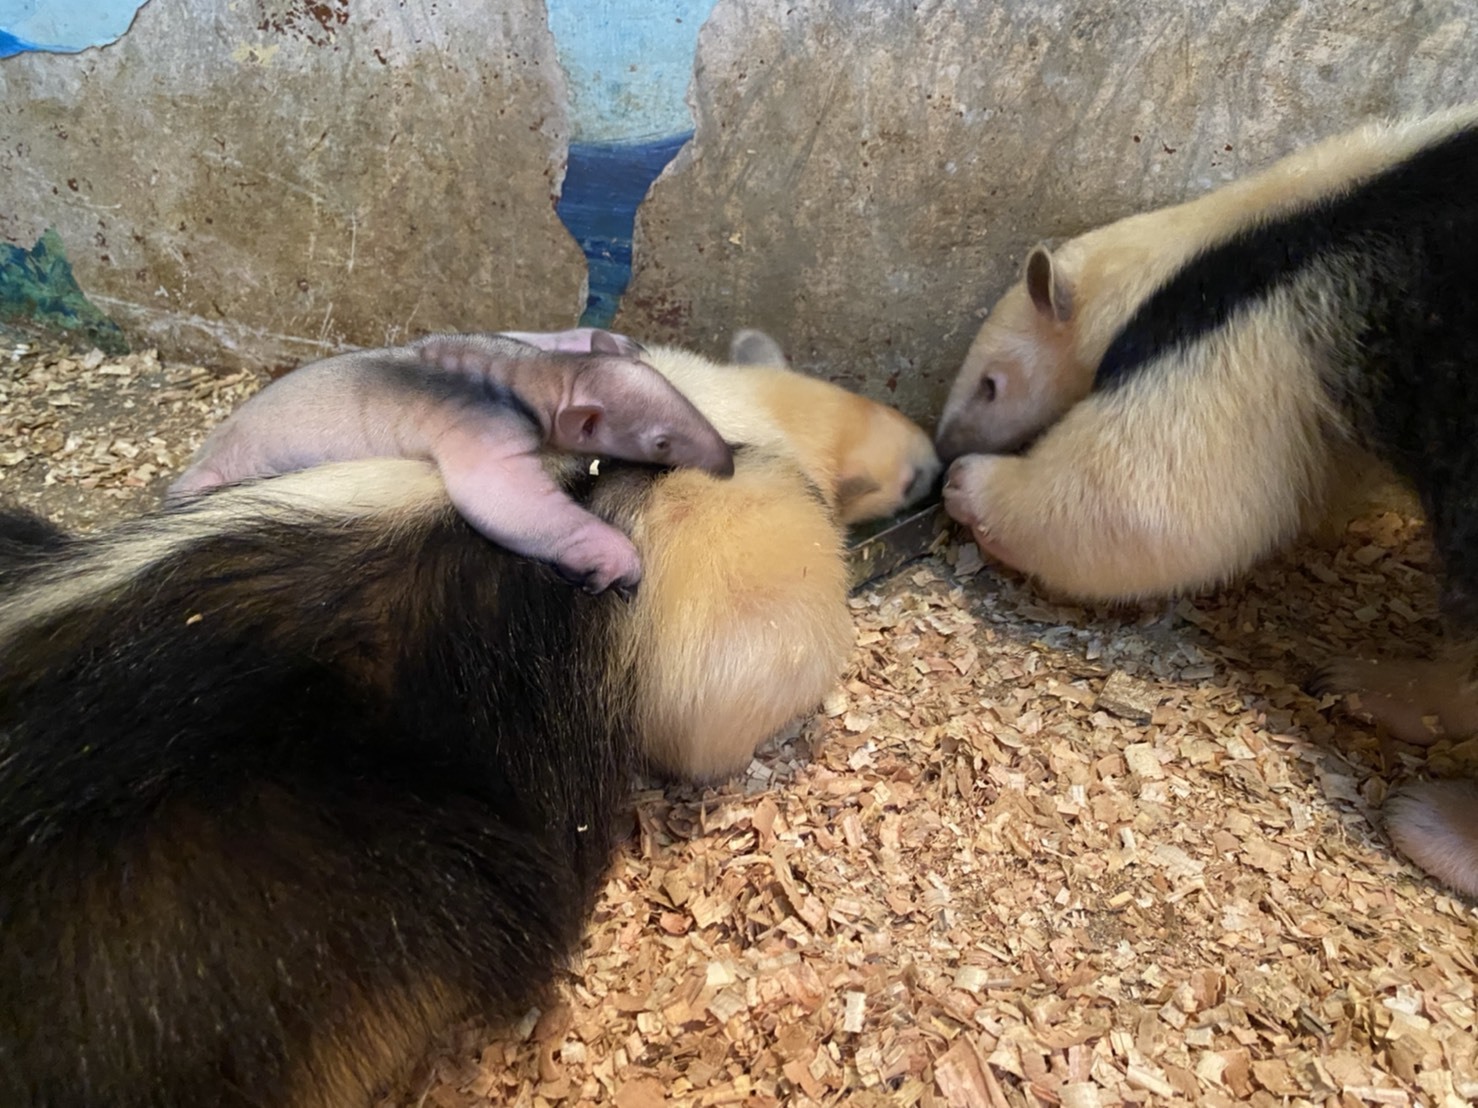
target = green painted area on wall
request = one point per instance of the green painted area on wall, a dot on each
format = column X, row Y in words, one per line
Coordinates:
column 38, row 292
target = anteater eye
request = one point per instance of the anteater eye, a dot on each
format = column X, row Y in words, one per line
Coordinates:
column 988, row 388
column 661, row 445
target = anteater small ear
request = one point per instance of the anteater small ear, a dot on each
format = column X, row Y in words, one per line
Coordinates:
column 1049, row 290
column 608, row 342
column 577, row 425
column 753, row 347
column 852, row 489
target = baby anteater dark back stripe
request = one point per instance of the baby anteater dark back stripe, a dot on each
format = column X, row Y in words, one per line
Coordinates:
column 1423, row 192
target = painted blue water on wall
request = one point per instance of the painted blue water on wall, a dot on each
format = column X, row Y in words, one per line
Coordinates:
column 627, row 64
column 62, row 26
column 604, row 185
column 9, row 45
column 37, row 285
column 37, row 289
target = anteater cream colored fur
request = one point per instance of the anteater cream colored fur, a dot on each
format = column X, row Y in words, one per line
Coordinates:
column 1043, row 340
column 1213, row 440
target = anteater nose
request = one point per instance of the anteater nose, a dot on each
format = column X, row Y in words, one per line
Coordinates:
column 919, row 482
column 724, row 466
column 950, row 442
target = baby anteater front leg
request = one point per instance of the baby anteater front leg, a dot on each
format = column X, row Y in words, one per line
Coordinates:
column 507, row 495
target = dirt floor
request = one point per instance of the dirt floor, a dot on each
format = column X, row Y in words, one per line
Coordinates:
column 1026, row 854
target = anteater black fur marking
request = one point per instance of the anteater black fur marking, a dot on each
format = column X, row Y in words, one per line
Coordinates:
column 1394, row 253
column 282, row 781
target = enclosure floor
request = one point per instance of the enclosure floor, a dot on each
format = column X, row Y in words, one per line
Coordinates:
column 1026, row 854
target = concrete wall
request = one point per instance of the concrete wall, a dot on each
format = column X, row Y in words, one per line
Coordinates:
column 271, row 179
column 276, row 181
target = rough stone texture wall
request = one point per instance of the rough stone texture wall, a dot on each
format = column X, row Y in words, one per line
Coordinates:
column 274, row 178
column 271, row 180
column 866, row 176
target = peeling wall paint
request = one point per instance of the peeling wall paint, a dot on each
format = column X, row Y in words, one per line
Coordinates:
column 628, row 64
column 865, row 179
column 239, row 184
column 37, row 288
column 604, row 185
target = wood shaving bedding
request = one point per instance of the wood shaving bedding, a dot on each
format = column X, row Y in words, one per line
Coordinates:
column 1026, row 853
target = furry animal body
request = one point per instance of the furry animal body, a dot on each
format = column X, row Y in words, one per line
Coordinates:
column 299, row 772
column 1195, row 376
column 480, row 406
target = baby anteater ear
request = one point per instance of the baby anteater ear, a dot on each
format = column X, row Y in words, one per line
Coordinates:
column 1046, row 285
column 577, row 427
column 608, row 342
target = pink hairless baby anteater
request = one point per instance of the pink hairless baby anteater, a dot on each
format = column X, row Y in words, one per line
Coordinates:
column 480, row 406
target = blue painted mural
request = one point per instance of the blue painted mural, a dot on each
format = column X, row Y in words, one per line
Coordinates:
column 628, row 65
column 62, row 26
column 37, row 288
column 38, row 291
column 604, row 185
